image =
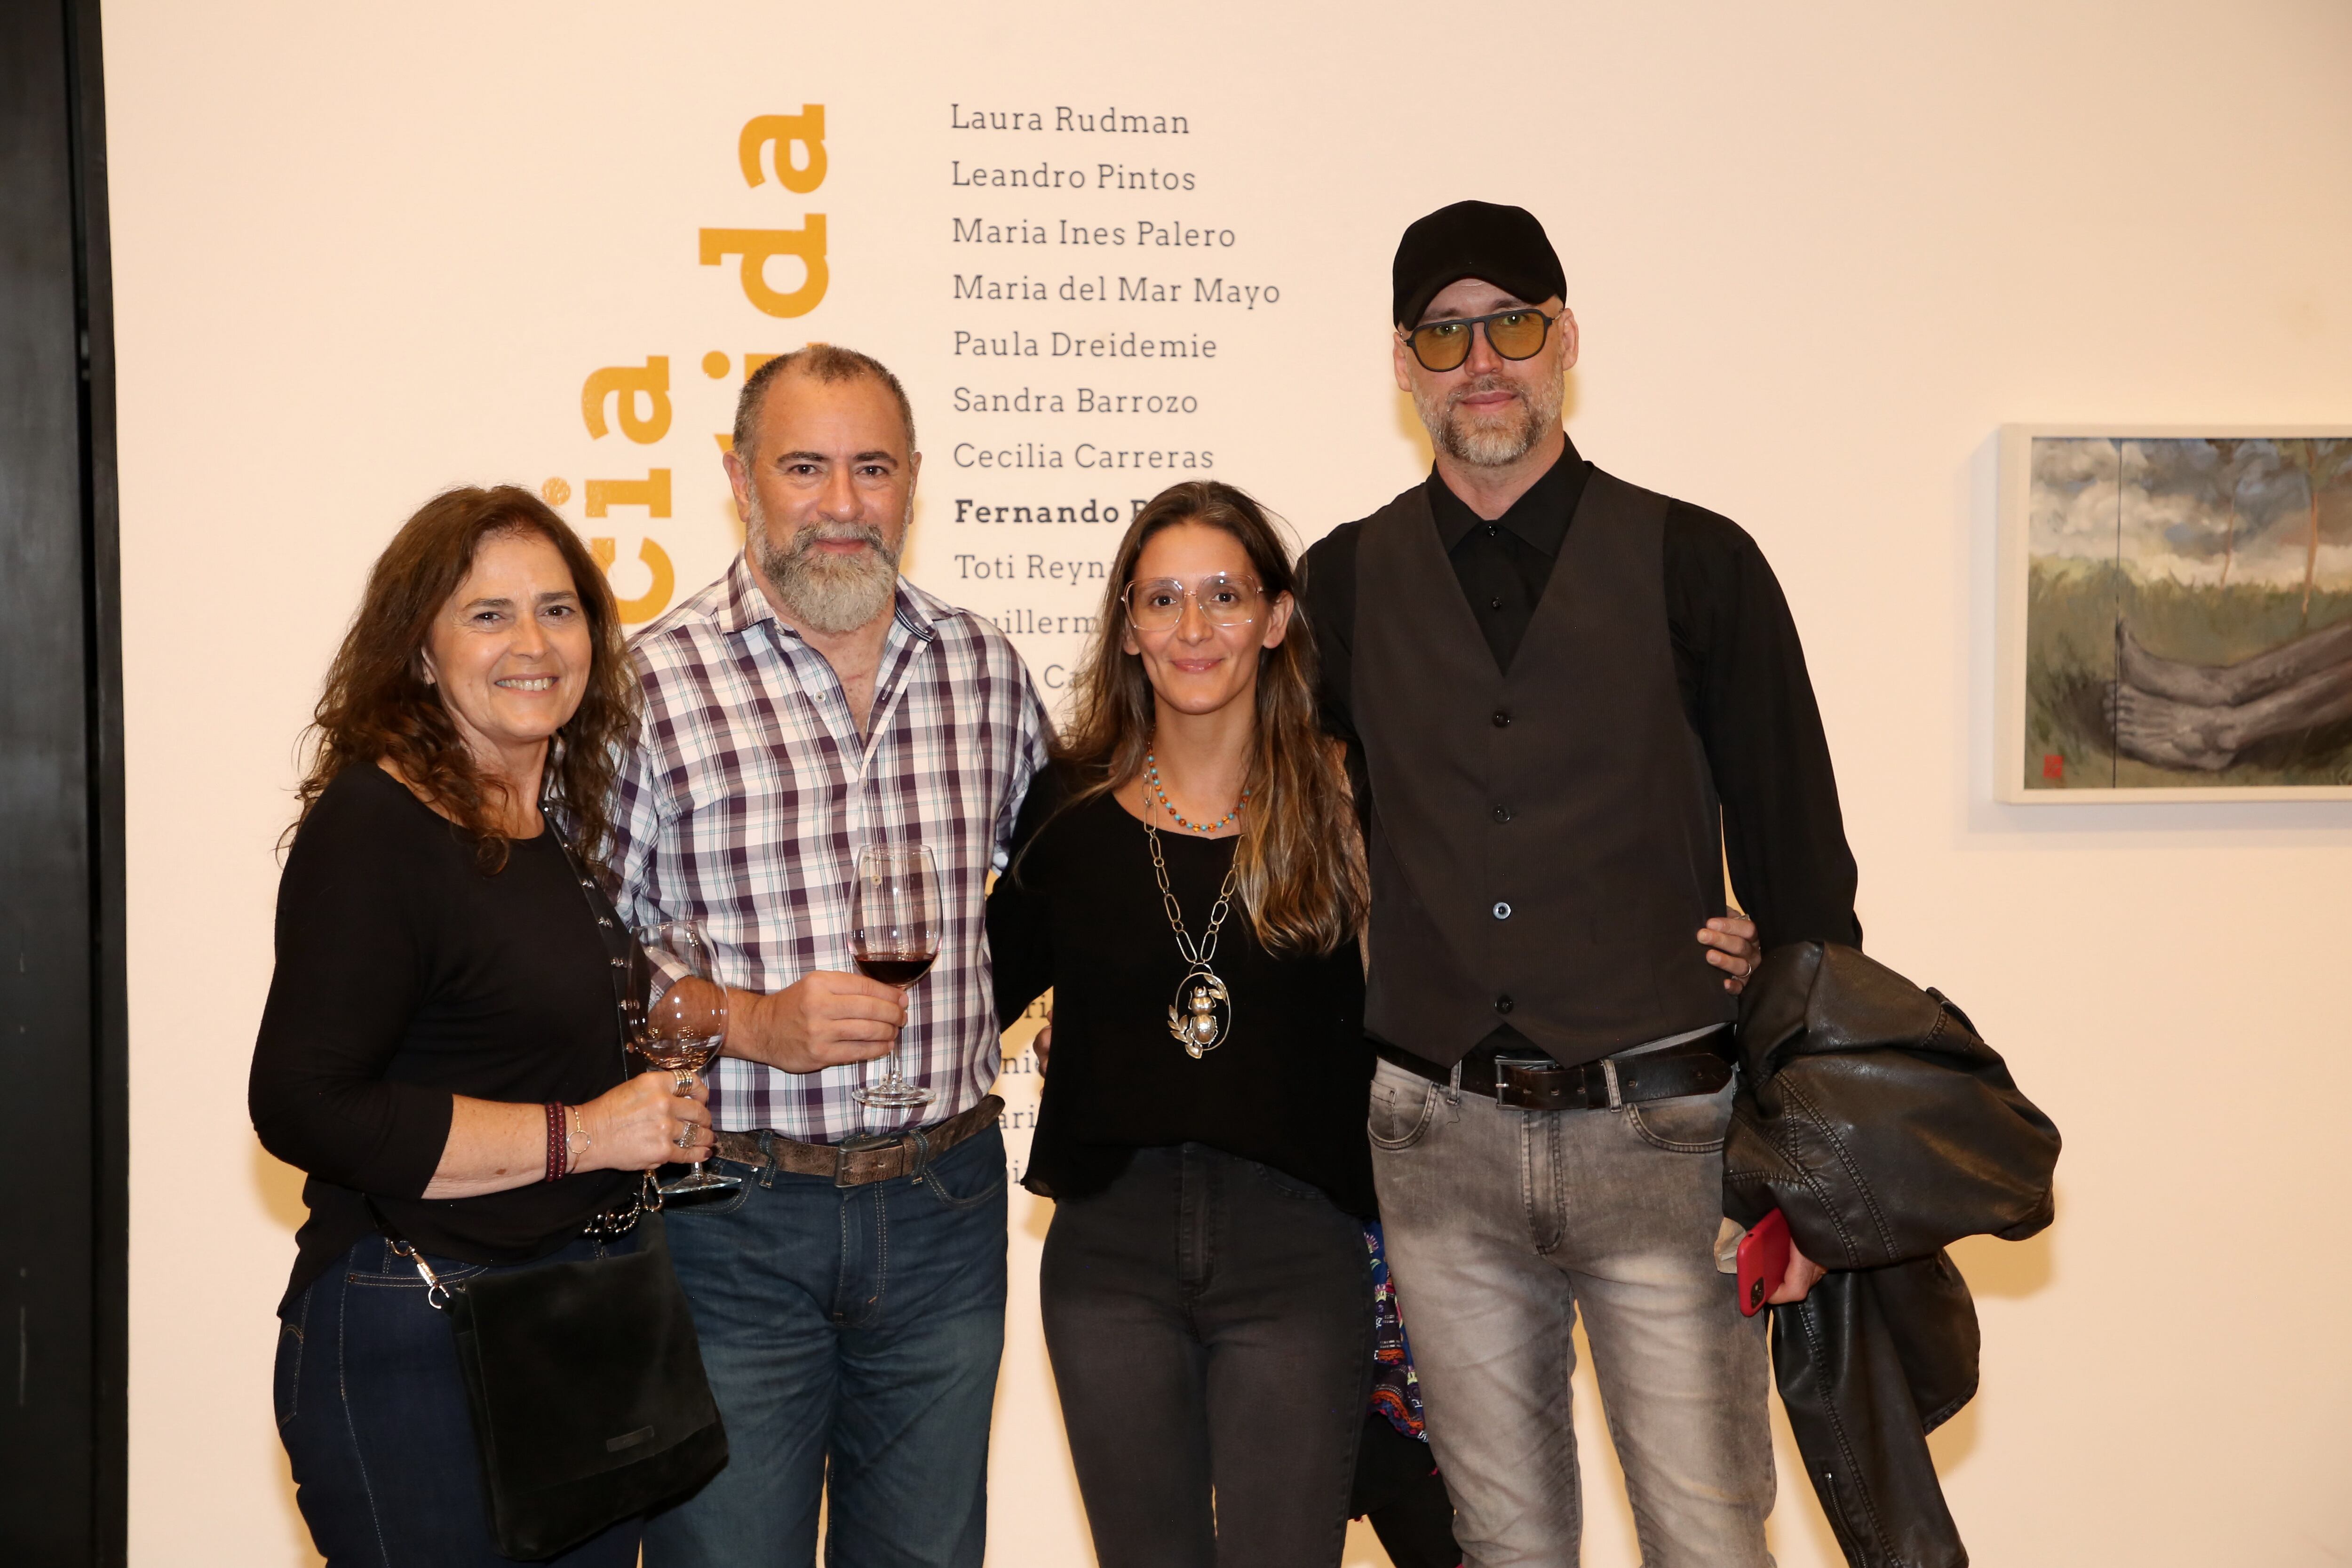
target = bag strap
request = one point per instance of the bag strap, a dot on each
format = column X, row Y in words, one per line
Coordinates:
column 620, row 943
column 623, row 953
column 438, row 1294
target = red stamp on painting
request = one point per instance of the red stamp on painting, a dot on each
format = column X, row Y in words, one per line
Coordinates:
column 2053, row 766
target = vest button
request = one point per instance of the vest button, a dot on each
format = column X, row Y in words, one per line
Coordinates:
column 1501, row 911
column 1502, row 1004
column 1502, row 814
column 1502, row 718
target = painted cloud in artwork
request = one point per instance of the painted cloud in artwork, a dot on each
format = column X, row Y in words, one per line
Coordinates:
column 2208, row 511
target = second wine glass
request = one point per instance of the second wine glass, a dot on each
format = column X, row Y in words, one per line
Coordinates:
column 894, row 935
column 678, row 1018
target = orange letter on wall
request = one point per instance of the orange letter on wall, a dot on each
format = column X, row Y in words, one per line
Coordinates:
column 807, row 128
column 652, row 493
column 628, row 384
column 757, row 246
column 656, row 599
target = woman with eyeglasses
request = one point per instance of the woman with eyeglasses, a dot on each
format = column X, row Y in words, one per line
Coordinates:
column 1189, row 881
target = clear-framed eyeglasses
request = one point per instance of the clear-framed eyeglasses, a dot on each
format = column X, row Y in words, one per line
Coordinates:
column 1157, row 604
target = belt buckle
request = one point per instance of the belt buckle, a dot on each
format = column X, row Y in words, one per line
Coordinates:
column 1513, row 1089
column 1557, row 1088
column 858, row 1145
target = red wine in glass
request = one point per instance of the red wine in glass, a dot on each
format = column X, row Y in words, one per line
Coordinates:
column 900, row 969
column 894, row 934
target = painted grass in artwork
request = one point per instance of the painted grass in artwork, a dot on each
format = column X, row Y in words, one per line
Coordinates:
column 2069, row 628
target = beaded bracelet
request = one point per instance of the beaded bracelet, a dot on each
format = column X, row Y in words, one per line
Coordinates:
column 556, row 1151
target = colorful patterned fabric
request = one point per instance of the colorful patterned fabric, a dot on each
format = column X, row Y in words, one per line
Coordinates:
column 1396, row 1392
column 750, row 792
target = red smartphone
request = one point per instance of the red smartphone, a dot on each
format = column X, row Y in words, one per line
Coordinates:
column 1763, row 1260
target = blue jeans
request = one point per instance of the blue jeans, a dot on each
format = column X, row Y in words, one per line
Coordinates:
column 855, row 1327
column 371, row 1409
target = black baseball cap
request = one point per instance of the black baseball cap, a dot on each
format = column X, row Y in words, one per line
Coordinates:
column 1503, row 245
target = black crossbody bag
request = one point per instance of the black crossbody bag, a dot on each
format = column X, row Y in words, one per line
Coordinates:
column 585, row 1380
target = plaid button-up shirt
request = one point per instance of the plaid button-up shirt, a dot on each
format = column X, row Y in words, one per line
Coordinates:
column 750, row 790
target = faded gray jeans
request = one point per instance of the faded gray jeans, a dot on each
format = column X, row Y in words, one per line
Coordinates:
column 1501, row 1224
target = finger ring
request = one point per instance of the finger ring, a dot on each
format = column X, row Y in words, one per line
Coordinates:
column 685, row 1139
column 683, row 1081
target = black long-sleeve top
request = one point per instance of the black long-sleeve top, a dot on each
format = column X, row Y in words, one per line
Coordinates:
column 406, row 976
column 1737, row 661
column 1080, row 912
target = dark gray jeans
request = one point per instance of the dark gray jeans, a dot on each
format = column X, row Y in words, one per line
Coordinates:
column 1209, row 1321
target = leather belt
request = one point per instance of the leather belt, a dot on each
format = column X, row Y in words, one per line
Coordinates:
column 1538, row 1083
column 855, row 1162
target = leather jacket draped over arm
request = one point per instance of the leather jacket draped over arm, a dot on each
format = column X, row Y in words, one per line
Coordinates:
column 1877, row 1119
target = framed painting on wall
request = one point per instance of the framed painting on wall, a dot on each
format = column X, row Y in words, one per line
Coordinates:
column 2176, row 614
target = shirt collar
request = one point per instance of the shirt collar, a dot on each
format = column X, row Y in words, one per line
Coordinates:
column 745, row 603
column 1540, row 517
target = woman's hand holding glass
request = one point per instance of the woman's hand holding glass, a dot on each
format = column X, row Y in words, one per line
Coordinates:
column 674, row 1014
column 637, row 1126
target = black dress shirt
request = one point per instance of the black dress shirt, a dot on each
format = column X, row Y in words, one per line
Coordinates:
column 1503, row 565
column 1737, row 663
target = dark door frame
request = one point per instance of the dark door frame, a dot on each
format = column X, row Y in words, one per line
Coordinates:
column 64, row 1053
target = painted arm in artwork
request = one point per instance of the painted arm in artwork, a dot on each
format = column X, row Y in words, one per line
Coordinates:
column 2180, row 715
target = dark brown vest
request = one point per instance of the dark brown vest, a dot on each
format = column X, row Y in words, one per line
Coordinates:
column 1545, row 842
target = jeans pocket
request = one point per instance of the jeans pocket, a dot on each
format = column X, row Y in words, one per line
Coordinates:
column 286, row 1376
column 1288, row 1185
column 1402, row 1106
column 961, row 1183
column 1686, row 1124
column 725, row 1203
column 400, row 1273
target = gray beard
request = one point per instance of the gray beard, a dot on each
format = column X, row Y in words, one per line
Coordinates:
column 825, row 593
column 1490, row 445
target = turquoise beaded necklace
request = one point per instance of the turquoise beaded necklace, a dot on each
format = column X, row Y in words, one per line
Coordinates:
column 1151, row 772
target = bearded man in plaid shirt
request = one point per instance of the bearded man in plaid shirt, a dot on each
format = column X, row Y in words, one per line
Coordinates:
column 850, row 1295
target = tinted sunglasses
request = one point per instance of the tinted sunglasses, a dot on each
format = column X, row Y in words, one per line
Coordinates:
column 1517, row 333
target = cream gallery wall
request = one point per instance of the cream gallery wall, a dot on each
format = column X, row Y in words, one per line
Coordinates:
column 1821, row 256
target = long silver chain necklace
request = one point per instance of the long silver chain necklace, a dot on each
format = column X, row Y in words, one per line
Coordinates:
column 1202, row 1014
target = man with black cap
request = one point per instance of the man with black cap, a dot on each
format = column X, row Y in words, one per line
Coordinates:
column 1570, row 704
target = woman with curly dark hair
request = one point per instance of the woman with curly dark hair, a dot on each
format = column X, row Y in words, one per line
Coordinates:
column 441, row 1050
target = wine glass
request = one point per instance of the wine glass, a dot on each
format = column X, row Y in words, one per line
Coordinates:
column 894, row 935
column 676, row 1017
